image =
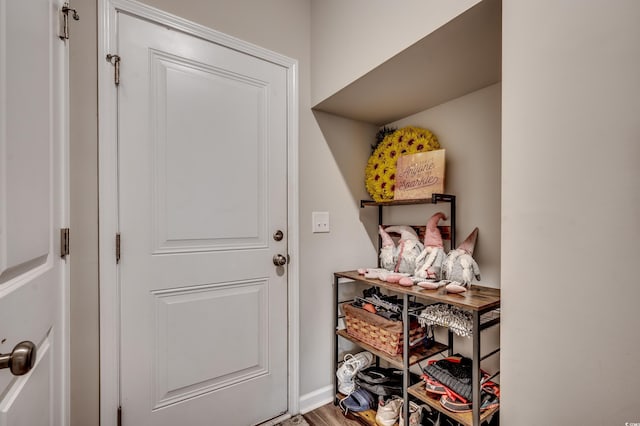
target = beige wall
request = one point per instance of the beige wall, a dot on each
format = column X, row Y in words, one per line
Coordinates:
column 332, row 179
column 468, row 128
column 350, row 38
column 571, row 209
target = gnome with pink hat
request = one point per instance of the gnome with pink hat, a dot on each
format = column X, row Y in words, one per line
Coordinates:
column 400, row 258
column 459, row 266
column 388, row 251
column 429, row 262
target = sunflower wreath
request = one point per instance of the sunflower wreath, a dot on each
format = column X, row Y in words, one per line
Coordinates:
column 380, row 174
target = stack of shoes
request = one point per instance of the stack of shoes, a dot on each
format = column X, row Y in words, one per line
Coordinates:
column 388, row 411
column 349, row 368
column 451, row 379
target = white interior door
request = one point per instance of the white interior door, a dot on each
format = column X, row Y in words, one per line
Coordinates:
column 32, row 210
column 202, row 145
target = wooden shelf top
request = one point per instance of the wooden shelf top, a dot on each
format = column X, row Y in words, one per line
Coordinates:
column 436, row 198
column 419, row 392
column 478, row 298
column 416, row 355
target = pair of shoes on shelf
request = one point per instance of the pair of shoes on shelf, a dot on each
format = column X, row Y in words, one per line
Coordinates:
column 349, row 368
column 388, row 411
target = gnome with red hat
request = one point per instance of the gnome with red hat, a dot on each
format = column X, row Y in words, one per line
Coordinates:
column 459, row 266
column 429, row 261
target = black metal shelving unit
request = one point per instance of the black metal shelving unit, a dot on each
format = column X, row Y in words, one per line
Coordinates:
column 478, row 300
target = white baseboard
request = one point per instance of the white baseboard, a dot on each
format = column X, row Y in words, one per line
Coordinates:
column 315, row 399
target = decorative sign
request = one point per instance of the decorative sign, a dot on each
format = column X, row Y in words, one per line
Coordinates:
column 419, row 175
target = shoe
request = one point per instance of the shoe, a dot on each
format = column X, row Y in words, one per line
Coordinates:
column 388, row 411
column 433, row 386
column 358, row 400
column 349, row 368
column 430, row 417
column 415, row 414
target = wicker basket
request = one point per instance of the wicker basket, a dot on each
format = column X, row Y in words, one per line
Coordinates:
column 381, row 333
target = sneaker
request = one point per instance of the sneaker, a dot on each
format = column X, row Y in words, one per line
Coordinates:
column 415, row 414
column 349, row 368
column 388, row 411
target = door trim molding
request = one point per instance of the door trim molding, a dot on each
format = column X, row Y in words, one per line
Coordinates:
column 108, row 192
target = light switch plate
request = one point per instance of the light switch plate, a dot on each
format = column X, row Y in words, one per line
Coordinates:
column 319, row 222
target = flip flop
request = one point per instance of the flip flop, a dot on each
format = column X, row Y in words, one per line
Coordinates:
column 359, row 400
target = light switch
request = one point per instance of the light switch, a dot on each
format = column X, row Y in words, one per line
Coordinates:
column 320, row 222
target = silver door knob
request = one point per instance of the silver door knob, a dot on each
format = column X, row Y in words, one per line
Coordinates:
column 279, row 260
column 21, row 360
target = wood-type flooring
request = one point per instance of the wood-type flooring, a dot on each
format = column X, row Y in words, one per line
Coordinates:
column 329, row 415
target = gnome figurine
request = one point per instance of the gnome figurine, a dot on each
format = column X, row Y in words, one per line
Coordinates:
column 388, row 252
column 429, row 262
column 460, row 267
column 406, row 252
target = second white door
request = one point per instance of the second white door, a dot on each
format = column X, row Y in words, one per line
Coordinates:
column 202, row 157
column 33, row 207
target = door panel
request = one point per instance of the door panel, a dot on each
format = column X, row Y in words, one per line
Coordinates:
column 32, row 209
column 25, row 159
column 195, row 132
column 202, row 178
column 203, row 367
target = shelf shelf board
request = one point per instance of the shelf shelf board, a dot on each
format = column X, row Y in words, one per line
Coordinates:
column 477, row 298
column 433, row 200
column 416, row 355
column 419, row 392
column 460, row 57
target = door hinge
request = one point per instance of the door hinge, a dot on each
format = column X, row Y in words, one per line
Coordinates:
column 118, row 248
column 120, row 415
column 64, row 242
column 64, row 24
column 115, row 61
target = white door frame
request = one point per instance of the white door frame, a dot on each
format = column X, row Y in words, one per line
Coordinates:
column 108, row 192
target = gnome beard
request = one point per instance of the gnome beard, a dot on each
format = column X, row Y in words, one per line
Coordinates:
column 460, row 267
column 429, row 261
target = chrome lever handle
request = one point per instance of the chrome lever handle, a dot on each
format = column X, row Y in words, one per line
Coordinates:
column 21, row 360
